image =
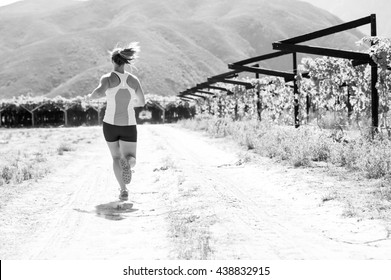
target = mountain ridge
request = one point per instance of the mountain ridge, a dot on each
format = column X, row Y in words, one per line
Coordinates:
column 62, row 49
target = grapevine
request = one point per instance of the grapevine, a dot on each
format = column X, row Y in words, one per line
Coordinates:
column 21, row 110
column 335, row 85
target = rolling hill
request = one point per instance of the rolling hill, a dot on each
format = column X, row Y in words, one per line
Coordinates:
column 59, row 47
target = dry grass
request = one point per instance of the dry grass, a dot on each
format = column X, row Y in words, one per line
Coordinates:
column 329, row 197
column 190, row 226
column 30, row 154
column 65, row 147
column 189, row 219
column 353, row 153
column 304, row 145
column 190, row 235
column 167, row 163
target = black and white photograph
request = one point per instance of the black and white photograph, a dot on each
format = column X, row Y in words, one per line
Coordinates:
column 215, row 130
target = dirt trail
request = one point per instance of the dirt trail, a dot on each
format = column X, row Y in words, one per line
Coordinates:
column 192, row 197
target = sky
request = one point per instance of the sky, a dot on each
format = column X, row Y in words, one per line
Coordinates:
column 6, row 2
column 349, row 10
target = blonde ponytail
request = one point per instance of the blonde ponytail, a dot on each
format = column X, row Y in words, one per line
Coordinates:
column 125, row 55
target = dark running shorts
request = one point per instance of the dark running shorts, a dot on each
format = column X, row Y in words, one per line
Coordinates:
column 114, row 133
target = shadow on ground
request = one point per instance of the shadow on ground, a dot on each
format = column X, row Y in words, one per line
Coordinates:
column 114, row 210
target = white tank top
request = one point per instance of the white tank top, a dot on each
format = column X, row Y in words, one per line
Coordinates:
column 120, row 101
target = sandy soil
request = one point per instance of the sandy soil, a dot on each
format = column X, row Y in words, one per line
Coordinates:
column 191, row 197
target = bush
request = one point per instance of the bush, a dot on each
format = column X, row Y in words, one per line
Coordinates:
column 6, row 174
column 375, row 159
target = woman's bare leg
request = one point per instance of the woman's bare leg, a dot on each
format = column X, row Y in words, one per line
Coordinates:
column 128, row 150
column 116, row 155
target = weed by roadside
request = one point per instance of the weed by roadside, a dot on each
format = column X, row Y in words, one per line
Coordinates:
column 19, row 170
column 304, row 145
column 383, row 189
column 64, row 147
column 301, row 147
column 30, row 154
column 329, row 197
column 193, row 241
column 350, row 211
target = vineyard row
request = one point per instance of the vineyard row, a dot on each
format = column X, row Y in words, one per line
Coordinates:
column 39, row 111
column 333, row 85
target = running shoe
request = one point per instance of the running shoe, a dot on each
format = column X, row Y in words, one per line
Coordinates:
column 126, row 172
column 123, row 195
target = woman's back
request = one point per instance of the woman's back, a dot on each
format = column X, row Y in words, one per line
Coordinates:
column 121, row 97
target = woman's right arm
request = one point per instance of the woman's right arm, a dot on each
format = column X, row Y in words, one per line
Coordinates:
column 140, row 101
column 101, row 89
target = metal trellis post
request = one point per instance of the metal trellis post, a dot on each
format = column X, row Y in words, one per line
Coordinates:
column 295, row 91
column 374, row 78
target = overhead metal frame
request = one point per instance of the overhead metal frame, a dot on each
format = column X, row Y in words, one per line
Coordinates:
column 289, row 46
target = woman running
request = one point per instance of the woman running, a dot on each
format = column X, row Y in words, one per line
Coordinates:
column 123, row 93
